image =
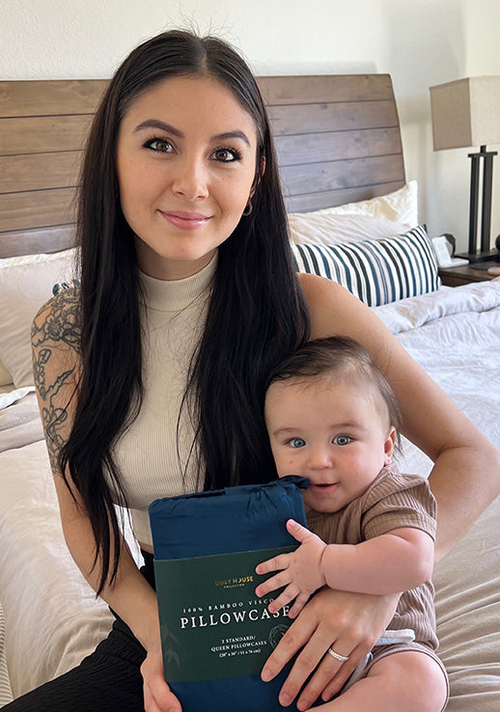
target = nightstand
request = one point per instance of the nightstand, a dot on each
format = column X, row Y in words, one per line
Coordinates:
column 455, row 276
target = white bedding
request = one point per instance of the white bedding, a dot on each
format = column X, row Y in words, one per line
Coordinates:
column 53, row 620
column 20, row 422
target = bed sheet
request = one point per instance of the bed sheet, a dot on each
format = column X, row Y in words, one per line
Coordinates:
column 20, row 422
column 455, row 335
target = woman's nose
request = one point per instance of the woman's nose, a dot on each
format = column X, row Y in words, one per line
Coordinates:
column 190, row 180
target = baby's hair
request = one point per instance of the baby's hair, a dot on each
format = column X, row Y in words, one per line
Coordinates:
column 338, row 357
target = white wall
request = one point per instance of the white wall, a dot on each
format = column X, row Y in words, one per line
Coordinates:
column 419, row 42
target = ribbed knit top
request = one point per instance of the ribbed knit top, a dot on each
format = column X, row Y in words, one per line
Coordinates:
column 149, row 455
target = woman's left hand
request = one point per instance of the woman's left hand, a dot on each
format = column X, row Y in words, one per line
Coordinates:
column 350, row 623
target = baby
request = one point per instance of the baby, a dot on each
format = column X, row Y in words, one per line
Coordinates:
column 333, row 418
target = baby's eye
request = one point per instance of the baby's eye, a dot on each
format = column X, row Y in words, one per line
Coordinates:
column 296, row 442
column 226, row 155
column 342, row 440
column 161, row 145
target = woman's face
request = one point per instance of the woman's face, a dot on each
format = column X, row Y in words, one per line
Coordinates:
column 186, row 159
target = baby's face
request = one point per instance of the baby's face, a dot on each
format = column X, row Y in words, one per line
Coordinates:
column 333, row 433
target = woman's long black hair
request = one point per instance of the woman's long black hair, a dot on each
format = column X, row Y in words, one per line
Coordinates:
column 256, row 316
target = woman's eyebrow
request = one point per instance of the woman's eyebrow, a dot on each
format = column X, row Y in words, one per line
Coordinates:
column 232, row 134
column 161, row 125
column 168, row 128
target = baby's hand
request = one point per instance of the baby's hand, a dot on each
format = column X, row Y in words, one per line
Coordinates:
column 300, row 571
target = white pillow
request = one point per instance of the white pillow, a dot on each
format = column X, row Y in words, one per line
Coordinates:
column 400, row 206
column 5, row 377
column 25, row 284
column 324, row 229
column 384, row 216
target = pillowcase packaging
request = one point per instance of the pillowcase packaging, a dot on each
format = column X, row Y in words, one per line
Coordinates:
column 216, row 633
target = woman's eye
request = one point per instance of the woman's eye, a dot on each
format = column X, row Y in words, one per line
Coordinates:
column 296, row 442
column 226, row 155
column 161, row 145
column 342, row 440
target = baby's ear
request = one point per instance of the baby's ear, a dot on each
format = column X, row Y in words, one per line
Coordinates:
column 390, row 442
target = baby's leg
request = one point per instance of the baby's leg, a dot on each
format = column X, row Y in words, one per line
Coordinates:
column 409, row 681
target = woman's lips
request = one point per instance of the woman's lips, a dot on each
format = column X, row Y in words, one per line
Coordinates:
column 183, row 220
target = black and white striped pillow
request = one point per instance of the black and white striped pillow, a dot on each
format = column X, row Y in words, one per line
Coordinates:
column 376, row 271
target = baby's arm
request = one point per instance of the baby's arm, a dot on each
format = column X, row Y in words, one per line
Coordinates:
column 300, row 571
column 394, row 562
column 390, row 563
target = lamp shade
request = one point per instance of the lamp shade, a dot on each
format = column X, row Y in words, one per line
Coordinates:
column 466, row 112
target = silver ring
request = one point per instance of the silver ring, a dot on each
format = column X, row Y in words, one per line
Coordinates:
column 337, row 656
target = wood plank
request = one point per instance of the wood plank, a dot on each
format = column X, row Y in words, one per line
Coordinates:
column 332, row 198
column 320, row 177
column 29, row 242
column 43, row 133
column 50, row 97
column 325, row 88
column 314, row 148
column 35, row 209
column 39, row 171
column 310, row 118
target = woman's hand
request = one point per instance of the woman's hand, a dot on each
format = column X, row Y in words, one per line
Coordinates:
column 348, row 622
column 157, row 694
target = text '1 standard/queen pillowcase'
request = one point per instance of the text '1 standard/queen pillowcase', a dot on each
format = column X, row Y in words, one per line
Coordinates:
column 376, row 271
column 216, row 633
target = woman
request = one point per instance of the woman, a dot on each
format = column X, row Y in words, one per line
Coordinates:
column 151, row 378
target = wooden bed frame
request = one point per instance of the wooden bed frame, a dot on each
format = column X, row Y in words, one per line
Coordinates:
column 337, row 138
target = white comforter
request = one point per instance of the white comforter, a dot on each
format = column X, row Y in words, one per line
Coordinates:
column 53, row 620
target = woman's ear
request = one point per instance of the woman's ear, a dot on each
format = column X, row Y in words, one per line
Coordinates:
column 261, row 169
column 389, row 444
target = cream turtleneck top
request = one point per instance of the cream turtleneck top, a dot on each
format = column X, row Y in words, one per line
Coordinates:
column 150, row 463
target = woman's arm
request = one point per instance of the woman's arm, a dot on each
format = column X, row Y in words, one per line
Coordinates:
column 55, row 339
column 466, row 473
column 130, row 596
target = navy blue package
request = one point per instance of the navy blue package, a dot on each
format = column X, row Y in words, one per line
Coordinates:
column 216, row 634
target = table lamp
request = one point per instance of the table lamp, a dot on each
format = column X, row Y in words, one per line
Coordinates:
column 466, row 113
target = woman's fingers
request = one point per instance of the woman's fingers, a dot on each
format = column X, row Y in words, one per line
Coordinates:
column 344, row 672
column 351, row 623
column 292, row 641
column 306, row 636
column 330, row 676
column 157, row 694
column 308, row 659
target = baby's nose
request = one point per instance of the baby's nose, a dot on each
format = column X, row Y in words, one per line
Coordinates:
column 321, row 458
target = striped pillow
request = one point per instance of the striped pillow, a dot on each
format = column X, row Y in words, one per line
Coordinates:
column 376, row 271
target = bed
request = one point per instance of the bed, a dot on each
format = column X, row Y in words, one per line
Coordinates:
column 353, row 218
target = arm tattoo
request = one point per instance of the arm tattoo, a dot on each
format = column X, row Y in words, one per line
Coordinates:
column 61, row 326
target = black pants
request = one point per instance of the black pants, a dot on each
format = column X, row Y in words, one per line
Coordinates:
column 108, row 679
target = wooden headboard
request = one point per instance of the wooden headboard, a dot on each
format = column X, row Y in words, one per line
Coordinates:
column 337, row 139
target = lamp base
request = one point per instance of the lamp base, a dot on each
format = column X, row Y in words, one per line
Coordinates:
column 479, row 256
column 484, row 266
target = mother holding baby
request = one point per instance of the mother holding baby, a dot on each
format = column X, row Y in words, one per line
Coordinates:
column 155, row 369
